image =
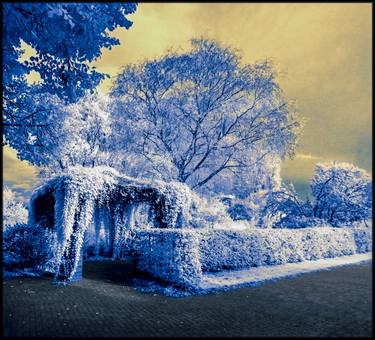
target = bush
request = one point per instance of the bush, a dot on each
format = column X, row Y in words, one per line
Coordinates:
column 26, row 246
column 285, row 209
column 240, row 212
column 363, row 236
column 181, row 256
column 170, row 254
column 208, row 214
column 14, row 211
column 296, row 222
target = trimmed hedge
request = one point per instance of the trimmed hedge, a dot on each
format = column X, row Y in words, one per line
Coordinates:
column 363, row 240
column 181, row 256
column 170, row 254
column 223, row 249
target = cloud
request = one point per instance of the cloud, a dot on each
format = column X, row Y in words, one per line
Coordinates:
column 303, row 156
column 18, row 175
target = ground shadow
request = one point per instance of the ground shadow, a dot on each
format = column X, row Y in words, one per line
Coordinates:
column 116, row 272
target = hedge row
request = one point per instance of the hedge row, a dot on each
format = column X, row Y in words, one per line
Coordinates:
column 181, row 256
column 170, row 254
column 223, row 249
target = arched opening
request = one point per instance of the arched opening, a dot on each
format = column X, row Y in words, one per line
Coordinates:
column 43, row 208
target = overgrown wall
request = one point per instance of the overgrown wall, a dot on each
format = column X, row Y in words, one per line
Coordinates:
column 94, row 200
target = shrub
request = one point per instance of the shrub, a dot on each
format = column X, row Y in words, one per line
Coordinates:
column 298, row 221
column 181, row 256
column 170, row 254
column 225, row 249
column 240, row 212
column 284, row 209
column 26, row 246
column 209, row 213
column 13, row 210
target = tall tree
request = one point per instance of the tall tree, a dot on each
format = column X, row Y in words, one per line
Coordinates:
column 201, row 114
column 66, row 36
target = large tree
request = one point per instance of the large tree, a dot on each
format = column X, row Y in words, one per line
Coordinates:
column 66, row 37
column 201, row 114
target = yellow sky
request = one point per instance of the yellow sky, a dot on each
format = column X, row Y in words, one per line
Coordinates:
column 325, row 50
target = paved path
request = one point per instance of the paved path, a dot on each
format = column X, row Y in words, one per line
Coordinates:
column 337, row 302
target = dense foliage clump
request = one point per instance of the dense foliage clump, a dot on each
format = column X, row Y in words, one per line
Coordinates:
column 14, row 211
column 28, row 247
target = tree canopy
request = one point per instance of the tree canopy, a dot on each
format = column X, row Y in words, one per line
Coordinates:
column 200, row 114
column 342, row 193
column 65, row 36
column 68, row 134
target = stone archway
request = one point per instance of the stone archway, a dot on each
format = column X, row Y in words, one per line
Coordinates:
column 77, row 204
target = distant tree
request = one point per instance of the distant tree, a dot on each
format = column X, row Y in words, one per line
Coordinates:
column 66, row 36
column 202, row 114
column 262, row 175
column 75, row 134
column 14, row 212
column 342, row 193
column 285, row 209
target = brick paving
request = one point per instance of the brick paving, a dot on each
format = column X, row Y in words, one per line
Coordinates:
column 328, row 303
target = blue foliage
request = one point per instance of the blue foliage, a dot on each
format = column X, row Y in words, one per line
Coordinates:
column 27, row 246
column 225, row 249
column 199, row 115
column 65, row 36
column 288, row 210
column 342, row 193
column 240, row 212
column 183, row 257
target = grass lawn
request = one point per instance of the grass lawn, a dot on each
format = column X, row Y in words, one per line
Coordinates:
column 337, row 302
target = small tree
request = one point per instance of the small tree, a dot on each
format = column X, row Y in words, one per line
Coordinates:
column 14, row 211
column 202, row 114
column 342, row 193
column 285, row 209
column 76, row 134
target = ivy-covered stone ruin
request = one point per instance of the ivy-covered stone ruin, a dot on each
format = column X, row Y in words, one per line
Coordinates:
column 97, row 210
